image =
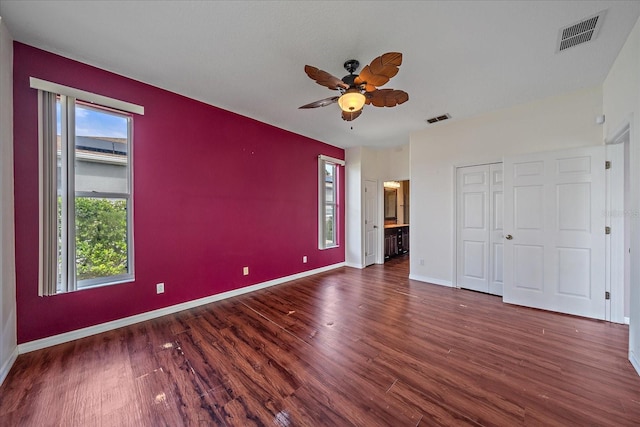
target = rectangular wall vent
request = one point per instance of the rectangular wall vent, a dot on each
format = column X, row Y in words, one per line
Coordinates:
column 581, row 32
column 439, row 118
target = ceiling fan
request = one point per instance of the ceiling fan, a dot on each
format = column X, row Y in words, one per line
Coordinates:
column 359, row 89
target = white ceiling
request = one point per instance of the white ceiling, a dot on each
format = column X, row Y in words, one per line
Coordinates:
column 462, row 58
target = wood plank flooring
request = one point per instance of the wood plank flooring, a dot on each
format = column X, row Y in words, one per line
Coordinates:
column 344, row 348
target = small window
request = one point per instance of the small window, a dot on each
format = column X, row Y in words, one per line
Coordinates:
column 328, row 201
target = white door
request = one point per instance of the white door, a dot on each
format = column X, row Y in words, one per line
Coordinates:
column 554, row 227
column 370, row 223
column 479, row 228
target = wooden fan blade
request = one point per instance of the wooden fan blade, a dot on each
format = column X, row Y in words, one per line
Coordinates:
column 323, row 78
column 380, row 70
column 370, row 79
column 387, row 64
column 321, row 103
column 369, row 88
column 349, row 116
column 386, row 97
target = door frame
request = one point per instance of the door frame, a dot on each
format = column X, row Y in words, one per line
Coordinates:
column 381, row 228
column 376, row 215
column 617, row 211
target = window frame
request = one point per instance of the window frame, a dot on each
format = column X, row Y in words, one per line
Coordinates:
column 69, row 276
column 323, row 161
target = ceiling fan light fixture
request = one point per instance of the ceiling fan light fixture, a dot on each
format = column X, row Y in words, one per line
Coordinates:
column 351, row 101
column 359, row 89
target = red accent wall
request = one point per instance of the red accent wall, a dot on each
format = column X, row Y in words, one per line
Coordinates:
column 213, row 192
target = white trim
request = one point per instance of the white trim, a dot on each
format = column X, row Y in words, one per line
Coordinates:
column 616, row 255
column 322, row 242
column 472, row 163
column 323, row 161
column 454, row 243
column 634, row 362
column 6, row 367
column 352, row 265
column 620, row 130
column 126, row 321
column 431, row 280
column 614, row 242
column 85, row 96
column 331, row 159
column 626, row 320
column 380, row 220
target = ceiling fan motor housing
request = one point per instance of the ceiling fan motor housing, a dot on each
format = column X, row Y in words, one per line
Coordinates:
column 349, row 79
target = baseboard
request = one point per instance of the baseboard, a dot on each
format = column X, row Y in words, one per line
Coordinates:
column 431, row 280
column 352, row 265
column 6, row 366
column 126, row 321
column 626, row 320
column 634, row 362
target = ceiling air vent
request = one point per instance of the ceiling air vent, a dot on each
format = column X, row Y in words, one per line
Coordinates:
column 581, row 32
column 439, row 118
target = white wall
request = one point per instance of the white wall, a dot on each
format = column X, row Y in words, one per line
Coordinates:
column 354, row 228
column 8, row 338
column 621, row 105
column 393, row 163
column 554, row 123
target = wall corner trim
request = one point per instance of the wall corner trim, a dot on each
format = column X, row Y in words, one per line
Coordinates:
column 126, row 321
column 431, row 280
column 6, row 367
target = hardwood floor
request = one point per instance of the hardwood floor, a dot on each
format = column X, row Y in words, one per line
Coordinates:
column 348, row 347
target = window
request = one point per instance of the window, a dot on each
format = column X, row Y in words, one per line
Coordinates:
column 86, row 204
column 328, row 176
column 94, row 198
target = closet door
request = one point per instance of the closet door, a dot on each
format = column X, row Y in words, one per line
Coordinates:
column 479, row 239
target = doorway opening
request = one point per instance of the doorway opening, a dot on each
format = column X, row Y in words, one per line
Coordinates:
column 396, row 219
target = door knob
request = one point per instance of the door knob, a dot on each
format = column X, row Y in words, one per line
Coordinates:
column 508, row 237
column 375, row 226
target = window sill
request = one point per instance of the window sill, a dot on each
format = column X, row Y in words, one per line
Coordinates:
column 116, row 281
column 329, row 247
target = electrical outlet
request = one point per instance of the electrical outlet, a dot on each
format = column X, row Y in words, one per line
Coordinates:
column 421, row 262
column 304, row 259
column 160, row 288
column 245, row 271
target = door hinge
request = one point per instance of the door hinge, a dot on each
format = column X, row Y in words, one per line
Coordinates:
column 607, row 295
column 607, row 230
column 607, row 164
